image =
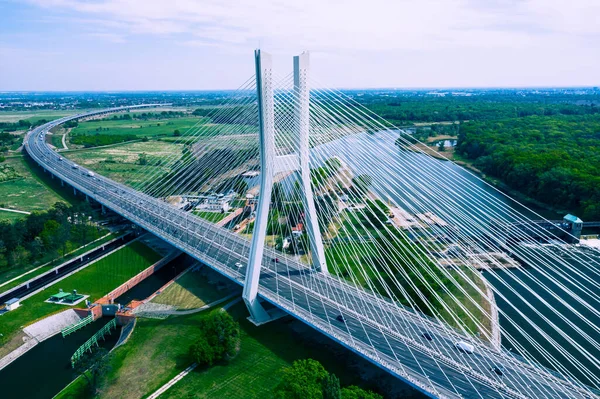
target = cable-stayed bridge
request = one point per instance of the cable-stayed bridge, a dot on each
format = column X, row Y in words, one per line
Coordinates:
column 392, row 282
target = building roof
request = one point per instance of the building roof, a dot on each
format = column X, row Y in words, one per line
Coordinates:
column 572, row 218
column 60, row 295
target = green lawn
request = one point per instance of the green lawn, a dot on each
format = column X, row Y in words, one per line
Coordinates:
column 213, row 217
column 190, row 291
column 95, row 280
column 345, row 260
column 34, row 191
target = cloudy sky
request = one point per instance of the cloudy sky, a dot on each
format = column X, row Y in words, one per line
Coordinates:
column 208, row 44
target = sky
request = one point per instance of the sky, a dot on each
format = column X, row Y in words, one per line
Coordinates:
column 64, row 45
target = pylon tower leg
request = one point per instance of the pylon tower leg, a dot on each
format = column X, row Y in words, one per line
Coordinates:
column 302, row 114
column 266, row 122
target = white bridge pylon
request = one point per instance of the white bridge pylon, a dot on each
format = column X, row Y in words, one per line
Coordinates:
column 270, row 165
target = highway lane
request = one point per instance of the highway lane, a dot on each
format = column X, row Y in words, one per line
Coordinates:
column 314, row 298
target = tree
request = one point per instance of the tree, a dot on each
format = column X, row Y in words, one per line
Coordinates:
column 49, row 234
column 63, row 235
column 303, row 380
column 223, row 334
column 142, row 159
column 331, row 387
column 36, row 247
column 354, row 392
column 219, row 339
column 202, row 352
column 442, row 146
column 176, row 133
column 93, row 365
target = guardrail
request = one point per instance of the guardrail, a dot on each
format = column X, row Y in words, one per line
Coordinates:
column 76, row 326
column 93, row 341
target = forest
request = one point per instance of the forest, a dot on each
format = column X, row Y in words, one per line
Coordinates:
column 554, row 159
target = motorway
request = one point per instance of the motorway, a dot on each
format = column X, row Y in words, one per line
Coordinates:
column 383, row 332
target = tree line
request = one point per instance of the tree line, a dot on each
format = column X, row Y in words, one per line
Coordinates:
column 42, row 236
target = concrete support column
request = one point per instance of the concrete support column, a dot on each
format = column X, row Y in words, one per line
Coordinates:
column 266, row 120
column 302, row 115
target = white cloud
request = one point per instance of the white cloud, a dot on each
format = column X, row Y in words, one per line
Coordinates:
column 350, row 24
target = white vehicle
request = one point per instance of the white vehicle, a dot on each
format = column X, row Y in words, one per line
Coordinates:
column 74, row 166
column 238, row 265
column 90, row 173
column 464, row 347
column 60, row 158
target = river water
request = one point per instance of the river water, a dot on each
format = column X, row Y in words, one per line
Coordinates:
column 419, row 183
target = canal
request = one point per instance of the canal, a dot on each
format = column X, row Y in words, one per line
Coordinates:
column 45, row 370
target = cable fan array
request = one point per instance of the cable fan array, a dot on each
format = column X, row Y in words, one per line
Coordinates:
column 403, row 229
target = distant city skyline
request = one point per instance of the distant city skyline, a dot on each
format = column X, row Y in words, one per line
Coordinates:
column 155, row 45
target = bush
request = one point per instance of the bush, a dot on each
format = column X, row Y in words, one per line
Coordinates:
column 219, row 339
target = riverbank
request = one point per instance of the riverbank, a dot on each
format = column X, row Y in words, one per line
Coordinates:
column 544, row 210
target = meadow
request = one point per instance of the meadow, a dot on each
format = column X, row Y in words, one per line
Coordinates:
column 34, row 190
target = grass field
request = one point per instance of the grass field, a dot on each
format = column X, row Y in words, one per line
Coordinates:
column 120, row 162
column 190, row 291
column 213, row 217
column 148, row 128
column 95, row 280
column 347, row 256
column 35, row 191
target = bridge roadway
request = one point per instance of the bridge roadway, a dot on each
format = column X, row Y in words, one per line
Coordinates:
column 385, row 333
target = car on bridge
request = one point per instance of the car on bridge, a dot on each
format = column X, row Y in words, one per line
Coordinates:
column 464, row 347
column 499, row 370
column 428, row 336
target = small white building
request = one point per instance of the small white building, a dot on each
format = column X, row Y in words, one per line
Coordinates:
column 12, row 304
